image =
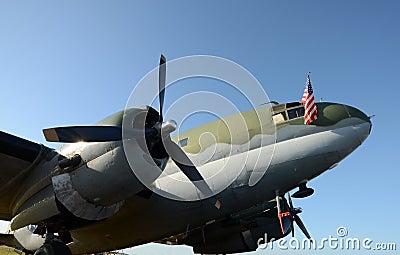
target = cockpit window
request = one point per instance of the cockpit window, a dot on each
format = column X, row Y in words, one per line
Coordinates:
column 288, row 112
column 296, row 113
column 279, row 117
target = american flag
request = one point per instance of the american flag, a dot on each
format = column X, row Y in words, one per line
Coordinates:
column 310, row 108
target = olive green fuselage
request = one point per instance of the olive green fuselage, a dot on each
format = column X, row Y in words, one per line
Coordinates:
column 262, row 152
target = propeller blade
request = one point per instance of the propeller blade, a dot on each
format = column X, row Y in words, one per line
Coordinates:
column 292, row 227
column 73, row 134
column 162, row 72
column 291, row 212
column 189, row 169
column 280, row 214
column 301, row 226
column 290, row 201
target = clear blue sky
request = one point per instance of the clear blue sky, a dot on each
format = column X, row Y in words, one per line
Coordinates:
column 74, row 62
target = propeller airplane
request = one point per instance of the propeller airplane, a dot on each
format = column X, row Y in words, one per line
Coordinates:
column 84, row 198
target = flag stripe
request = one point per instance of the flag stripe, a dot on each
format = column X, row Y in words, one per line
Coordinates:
column 310, row 108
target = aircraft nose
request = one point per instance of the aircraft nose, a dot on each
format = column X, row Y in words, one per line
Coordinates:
column 361, row 122
column 333, row 113
column 353, row 125
column 363, row 128
column 354, row 112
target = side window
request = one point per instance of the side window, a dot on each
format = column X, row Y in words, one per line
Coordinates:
column 300, row 111
column 296, row 113
column 183, row 142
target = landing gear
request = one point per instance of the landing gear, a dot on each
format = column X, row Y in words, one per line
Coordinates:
column 303, row 191
column 53, row 246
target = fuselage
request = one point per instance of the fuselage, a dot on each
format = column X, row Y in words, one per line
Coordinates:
column 245, row 165
column 299, row 152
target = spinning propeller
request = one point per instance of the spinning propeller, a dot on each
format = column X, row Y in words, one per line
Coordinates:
column 293, row 216
column 157, row 135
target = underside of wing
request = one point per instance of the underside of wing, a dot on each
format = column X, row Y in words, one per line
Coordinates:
column 9, row 240
column 237, row 233
column 17, row 158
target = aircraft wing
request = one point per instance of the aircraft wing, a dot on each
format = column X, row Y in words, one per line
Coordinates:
column 17, row 158
column 237, row 233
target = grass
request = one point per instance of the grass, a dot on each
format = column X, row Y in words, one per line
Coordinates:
column 7, row 251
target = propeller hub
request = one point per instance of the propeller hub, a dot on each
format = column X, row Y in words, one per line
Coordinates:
column 166, row 127
column 297, row 210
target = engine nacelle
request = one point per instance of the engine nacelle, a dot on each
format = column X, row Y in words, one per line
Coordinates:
column 96, row 188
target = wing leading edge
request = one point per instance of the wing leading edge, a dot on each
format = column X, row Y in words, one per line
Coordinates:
column 17, row 158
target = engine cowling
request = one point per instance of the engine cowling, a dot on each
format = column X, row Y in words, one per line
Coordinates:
column 96, row 188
